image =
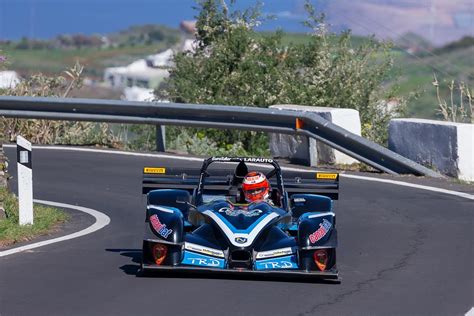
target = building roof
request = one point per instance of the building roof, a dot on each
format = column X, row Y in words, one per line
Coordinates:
column 188, row 27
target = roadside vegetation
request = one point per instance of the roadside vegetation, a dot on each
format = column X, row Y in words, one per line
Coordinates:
column 235, row 65
column 460, row 107
column 416, row 72
column 52, row 132
column 46, row 219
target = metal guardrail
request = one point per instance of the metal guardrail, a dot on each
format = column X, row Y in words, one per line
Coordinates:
column 215, row 116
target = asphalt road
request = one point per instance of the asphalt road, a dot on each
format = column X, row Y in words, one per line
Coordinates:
column 402, row 251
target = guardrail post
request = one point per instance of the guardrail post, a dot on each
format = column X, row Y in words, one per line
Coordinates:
column 160, row 138
column 25, row 181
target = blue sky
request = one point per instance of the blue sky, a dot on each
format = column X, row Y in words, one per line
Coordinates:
column 48, row 18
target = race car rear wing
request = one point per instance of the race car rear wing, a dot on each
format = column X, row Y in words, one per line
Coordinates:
column 323, row 183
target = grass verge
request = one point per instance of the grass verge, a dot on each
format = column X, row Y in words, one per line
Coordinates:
column 46, row 219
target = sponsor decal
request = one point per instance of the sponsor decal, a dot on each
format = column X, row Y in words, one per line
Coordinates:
column 241, row 240
column 221, row 159
column 258, row 160
column 236, row 212
column 154, row 170
column 246, row 159
column 288, row 262
column 252, row 180
column 299, row 200
column 204, row 250
column 323, row 229
column 159, row 227
column 327, row 176
column 196, row 259
column 204, row 262
column 277, row 264
column 274, row 253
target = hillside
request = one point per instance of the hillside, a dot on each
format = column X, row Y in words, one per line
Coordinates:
column 417, row 76
column 440, row 21
column 453, row 61
column 95, row 52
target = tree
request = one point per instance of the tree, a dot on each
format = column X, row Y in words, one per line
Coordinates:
column 235, row 65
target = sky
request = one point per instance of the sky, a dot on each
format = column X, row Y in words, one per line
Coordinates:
column 48, row 18
column 439, row 21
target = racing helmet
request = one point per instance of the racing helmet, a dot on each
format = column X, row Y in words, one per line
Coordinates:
column 255, row 186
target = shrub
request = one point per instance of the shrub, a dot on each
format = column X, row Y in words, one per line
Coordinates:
column 53, row 132
column 232, row 65
column 452, row 111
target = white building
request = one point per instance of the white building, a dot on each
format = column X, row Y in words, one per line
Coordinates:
column 8, row 79
column 140, row 78
column 145, row 73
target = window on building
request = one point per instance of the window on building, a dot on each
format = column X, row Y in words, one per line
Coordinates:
column 142, row 83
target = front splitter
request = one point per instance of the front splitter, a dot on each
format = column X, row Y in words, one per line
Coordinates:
column 294, row 274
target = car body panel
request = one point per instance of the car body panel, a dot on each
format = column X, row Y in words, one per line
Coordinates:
column 206, row 227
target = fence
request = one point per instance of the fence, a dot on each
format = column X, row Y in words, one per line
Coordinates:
column 214, row 116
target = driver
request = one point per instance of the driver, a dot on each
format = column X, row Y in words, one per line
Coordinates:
column 256, row 187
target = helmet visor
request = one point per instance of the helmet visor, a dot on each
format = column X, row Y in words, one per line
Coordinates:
column 256, row 191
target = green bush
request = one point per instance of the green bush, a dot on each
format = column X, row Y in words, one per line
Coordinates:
column 232, row 65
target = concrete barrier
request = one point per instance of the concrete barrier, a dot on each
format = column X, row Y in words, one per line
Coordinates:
column 445, row 146
column 309, row 152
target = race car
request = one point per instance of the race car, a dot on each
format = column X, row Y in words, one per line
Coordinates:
column 198, row 221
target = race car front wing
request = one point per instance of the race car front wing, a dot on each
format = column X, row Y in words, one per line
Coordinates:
column 293, row 274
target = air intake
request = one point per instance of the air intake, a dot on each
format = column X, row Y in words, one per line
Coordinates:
column 240, row 259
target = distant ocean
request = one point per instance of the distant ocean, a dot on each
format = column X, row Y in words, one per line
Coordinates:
column 48, row 18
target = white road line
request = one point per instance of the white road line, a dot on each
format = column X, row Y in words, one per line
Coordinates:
column 125, row 153
column 113, row 152
column 101, row 220
column 470, row 312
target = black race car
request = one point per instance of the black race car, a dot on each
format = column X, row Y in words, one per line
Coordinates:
column 198, row 220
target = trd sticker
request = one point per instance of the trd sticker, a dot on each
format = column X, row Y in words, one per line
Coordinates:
column 204, row 262
column 277, row 264
column 236, row 212
column 323, row 229
column 196, row 259
column 288, row 262
column 159, row 227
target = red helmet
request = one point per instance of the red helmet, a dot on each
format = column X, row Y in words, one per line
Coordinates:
column 255, row 186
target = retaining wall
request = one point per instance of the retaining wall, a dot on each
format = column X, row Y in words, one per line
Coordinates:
column 447, row 147
column 301, row 150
